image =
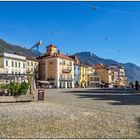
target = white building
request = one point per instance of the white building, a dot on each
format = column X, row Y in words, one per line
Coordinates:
column 14, row 63
column 94, row 80
column 119, row 77
column 32, row 66
column 76, row 71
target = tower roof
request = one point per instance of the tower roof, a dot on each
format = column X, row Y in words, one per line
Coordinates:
column 51, row 45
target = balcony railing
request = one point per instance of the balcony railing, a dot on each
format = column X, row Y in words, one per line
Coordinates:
column 29, row 71
column 66, row 79
column 66, row 70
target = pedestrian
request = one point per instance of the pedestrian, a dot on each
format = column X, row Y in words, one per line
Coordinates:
column 132, row 85
column 136, row 85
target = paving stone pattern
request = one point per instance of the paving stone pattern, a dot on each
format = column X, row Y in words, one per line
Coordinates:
column 74, row 113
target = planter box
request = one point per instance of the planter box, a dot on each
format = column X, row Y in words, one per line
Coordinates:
column 18, row 98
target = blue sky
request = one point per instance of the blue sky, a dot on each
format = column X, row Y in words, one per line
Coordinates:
column 111, row 31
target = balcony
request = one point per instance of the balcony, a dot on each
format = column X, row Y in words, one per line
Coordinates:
column 66, row 79
column 29, row 71
column 66, row 70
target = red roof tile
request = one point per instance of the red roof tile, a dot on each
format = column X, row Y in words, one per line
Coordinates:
column 100, row 66
column 60, row 56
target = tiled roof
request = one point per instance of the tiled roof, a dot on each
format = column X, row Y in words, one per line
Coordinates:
column 114, row 68
column 82, row 65
column 100, row 66
column 76, row 61
column 58, row 55
column 31, row 58
column 72, row 56
column 51, row 45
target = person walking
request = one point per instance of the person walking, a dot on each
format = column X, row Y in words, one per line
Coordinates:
column 136, row 85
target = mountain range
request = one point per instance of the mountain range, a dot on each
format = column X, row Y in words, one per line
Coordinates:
column 6, row 47
column 88, row 58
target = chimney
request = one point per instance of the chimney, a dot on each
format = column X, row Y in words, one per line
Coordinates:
column 67, row 54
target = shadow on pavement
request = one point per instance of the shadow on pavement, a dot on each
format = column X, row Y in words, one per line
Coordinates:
column 123, row 99
column 103, row 90
column 113, row 90
column 123, row 96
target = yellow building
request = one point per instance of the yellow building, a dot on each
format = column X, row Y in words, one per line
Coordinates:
column 94, row 79
column 32, row 66
column 83, row 75
column 111, row 75
column 90, row 72
column 3, row 70
column 105, row 73
column 57, row 68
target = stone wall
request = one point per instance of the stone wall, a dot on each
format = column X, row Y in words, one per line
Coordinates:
column 19, row 98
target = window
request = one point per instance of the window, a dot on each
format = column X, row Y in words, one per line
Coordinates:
column 6, row 63
column 12, row 64
column 28, row 63
column 96, row 79
column 23, row 65
column 91, row 79
column 31, row 63
column 64, row 62
column 15, row 64
column 19, row 64
column 51, row 68
column 78, row 68
column 51, row 62
column 60, row 61
column 50, row 76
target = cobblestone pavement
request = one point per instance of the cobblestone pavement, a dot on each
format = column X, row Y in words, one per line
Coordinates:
column 74, row 113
